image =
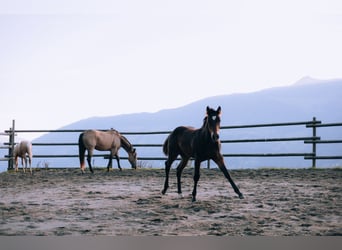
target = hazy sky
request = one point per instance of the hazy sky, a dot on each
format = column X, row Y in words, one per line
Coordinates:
column 65, row 60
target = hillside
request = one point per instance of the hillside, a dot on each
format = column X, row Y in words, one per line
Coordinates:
column 298, row 102
column 295, row 102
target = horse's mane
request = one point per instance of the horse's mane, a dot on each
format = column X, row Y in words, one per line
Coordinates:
column 205, row 121
column 126, row 144
column 114, row 131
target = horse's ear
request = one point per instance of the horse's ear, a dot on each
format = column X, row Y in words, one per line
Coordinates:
column 208, row 109
column 219, row 110
column 133, row 150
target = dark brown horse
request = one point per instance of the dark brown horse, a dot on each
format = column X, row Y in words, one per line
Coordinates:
column 110, row 140
column 201, row 144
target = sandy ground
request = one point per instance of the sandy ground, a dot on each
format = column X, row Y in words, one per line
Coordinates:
column 64, row 202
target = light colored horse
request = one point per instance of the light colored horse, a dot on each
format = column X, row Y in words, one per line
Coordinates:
column 22, row 149
column 110, row 140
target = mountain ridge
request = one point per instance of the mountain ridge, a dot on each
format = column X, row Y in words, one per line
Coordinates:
column 231, row 102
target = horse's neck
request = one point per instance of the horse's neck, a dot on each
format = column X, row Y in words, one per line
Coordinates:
column 204, row 130
column 125, row 144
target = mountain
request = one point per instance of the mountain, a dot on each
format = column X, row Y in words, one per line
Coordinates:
column 298, row 102
column 295, row 102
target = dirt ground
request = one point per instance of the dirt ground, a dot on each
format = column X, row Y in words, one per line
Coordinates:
column 65, row 202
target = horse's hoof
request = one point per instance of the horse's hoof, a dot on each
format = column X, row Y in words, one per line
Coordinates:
column 193, row 199
column 241, row 196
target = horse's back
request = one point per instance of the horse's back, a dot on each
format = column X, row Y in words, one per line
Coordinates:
column 180, row 140
column 183, row 132
column 101, row 140
column 23, row 147
column 108, row 139
column 89, row 135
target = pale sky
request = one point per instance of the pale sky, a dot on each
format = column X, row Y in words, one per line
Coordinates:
column 66, row 60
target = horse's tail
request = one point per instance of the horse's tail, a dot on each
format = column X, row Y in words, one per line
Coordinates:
column 166, row 146
column 29, row 150
column 81, row 151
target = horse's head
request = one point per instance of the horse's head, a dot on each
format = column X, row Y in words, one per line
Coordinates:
column 132, row 158
column 213, row 122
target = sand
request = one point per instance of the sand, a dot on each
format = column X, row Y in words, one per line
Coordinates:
column 65, row 202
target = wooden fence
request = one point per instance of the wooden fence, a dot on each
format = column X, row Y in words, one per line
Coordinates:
column 314, row 139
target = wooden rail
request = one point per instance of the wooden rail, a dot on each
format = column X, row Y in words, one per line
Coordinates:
column 312, row 155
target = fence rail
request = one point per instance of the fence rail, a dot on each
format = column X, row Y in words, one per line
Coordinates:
column 312, row 155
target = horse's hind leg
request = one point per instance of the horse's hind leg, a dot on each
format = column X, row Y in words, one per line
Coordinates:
column 24, row 160
column 168, row 164
column 196, row 179
column 180, row 168
column 16, row 164
column 90, row 154
column 30, row 163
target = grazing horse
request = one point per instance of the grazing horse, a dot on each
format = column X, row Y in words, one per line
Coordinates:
column 201, row 144
column 20, row 150
column 110, row 140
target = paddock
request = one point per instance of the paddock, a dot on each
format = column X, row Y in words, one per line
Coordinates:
column 65, row 202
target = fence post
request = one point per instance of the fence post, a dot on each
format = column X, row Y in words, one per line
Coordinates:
column 11, row 146
column 314, row 142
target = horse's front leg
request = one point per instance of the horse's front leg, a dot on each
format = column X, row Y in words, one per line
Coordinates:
column 220, row 162
column 110, row 162
column 196, row 178
column 118, row 161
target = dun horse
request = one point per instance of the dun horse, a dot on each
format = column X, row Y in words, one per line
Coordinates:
column 201, row 144
column 110, row 140
column 21, row 150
